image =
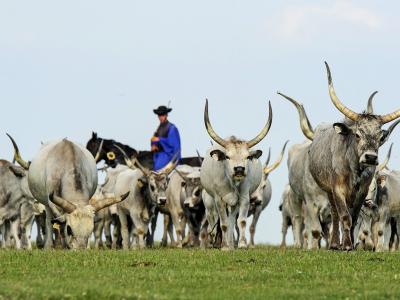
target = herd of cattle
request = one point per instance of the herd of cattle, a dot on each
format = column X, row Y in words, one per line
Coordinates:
column 337, row 193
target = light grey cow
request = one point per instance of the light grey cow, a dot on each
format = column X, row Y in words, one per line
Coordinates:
column 260, row 199
column 230, row 173
column 184, row 203
column 153, row 186
column 63, row 177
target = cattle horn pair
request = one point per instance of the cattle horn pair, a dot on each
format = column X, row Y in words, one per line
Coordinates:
column 17, row 155
column 269, row 169
column 223, row 142
column 383, row 165
column 348, row 112
column 69, row 207
column 135, row 163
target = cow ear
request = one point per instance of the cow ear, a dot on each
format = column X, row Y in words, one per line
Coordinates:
column 218, row 155
column 342, row 128
column 141, row 183
column 19, row 172
column 255, row 154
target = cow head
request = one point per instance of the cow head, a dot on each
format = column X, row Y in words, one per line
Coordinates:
column 191, row 190
column 79, row 219
column 363, row 131
column 236, row 154
column 156, row 181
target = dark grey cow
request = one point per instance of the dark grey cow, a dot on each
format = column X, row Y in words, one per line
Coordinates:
column 342, row 160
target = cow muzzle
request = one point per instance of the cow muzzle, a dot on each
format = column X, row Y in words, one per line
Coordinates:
column 239, row 173
column 369, row 159
column 162, row 201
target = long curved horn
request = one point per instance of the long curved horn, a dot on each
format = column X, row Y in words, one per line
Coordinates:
column 269, row 169
column 100, row 204
column 97, row 156
column 66, row 206
column 305, row 125
column 264, row 131
column 390, row 117
column 210, row 129
column 335, row 100
column 385, row 162
column 199, row 157
column 17, row 155
column 370, row 108
column 128, row 161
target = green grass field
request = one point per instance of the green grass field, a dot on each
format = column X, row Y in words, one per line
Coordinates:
column 262, row 273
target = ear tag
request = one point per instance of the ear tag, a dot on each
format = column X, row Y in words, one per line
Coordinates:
column 110, row 155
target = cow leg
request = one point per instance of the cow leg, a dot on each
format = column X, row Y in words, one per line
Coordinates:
column 227, row 240
column 98, row 229
column 344, row 216
column 253, row 225
column 176, row 220
column 123, row 219
column 297, row 222
column 315, row 229
column 150, row 233
column 14, row 229
column 285, row 226
column 26, row 229
column 48, row 243
column 334, row 242
column 242, row 220
column 140, row 228
column 107, row 232
column 164, row 240
column 2, row 233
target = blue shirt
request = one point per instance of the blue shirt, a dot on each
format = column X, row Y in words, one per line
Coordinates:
column 169, row 147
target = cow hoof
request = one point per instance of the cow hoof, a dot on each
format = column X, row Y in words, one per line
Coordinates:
column 163, row 243
column 242, row 245
column 179, row 246
column 252, row 247
column 334, row 247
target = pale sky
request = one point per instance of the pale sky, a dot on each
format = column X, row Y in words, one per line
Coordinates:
column 72, row 67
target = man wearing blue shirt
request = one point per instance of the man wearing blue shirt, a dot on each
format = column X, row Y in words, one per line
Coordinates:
column 166, row 142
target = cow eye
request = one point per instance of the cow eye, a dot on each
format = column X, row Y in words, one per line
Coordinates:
column 197, row 193
column 227, row 157
column 152, row 188
column 358, row 136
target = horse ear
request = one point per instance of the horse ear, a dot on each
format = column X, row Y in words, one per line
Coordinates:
column 94, row 135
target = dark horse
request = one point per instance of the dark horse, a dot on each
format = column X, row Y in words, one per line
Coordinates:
column 113, row 156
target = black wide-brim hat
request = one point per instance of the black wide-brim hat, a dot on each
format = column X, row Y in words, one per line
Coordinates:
column 162, row 110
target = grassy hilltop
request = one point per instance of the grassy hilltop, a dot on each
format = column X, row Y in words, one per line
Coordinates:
column 263, row 273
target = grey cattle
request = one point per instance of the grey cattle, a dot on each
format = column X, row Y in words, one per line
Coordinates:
column 230, row 173
column 184, row 203
column 154, row 184
column 315, row 200
column 14, row 196
column 63, row 177
column 342, row 160
column 260, row 199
